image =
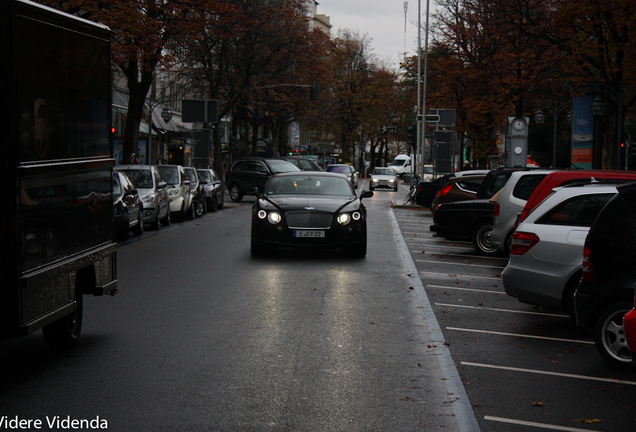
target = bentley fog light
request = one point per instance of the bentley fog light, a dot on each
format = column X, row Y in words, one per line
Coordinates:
column 344, row 218
column 356, row 216
column 274, row 218
column 262, row 214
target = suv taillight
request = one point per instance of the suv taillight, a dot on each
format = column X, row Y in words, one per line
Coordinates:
column 524, row 214
column 588, row 272
column 443, row 191
column 497, row 209
column 522, row 242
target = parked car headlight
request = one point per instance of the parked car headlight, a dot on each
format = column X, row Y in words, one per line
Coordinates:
column 173, row 192
column 344, row 218
column 148, row 199
column 274, row 217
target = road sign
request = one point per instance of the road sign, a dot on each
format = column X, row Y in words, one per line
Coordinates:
column 302, row 148
column 204, row 110
column 446, row 117
column 432, row 118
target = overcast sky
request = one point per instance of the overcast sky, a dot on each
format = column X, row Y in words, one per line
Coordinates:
column 380, row 20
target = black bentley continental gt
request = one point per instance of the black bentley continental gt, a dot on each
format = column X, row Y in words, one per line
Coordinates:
column 309, row 210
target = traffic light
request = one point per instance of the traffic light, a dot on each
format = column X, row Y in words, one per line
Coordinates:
column 313, row 90
column 410, row 136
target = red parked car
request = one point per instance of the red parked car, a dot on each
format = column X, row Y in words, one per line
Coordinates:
column 562, row 178
column 629, row 324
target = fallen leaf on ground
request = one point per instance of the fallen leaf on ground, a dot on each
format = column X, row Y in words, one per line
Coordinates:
column 588, row 421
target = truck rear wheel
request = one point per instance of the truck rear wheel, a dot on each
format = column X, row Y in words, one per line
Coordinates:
column 65, row 332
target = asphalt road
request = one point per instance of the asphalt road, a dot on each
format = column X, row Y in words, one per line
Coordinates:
column 419, row 335
column 202, row 337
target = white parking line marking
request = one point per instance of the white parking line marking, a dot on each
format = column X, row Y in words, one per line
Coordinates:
column 439, row 242
column 525, row 336
column 433, row 245
column 502, row 310
column 466, row 289
column 541, row 372
column 460, row 276
column 462, row 264
column 539, row 425
column 469, row 256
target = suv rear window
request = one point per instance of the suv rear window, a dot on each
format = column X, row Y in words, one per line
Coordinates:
column 338, row 169
column 281, row 166
column 526, row 185
column 471, row 185
column 577, row 211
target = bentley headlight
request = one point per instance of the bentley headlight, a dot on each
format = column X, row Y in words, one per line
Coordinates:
column 344, row 218
column 274, row 217
column 356, row 216
column 262, row 214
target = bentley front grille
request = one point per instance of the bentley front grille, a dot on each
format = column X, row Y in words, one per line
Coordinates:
column 313, row 220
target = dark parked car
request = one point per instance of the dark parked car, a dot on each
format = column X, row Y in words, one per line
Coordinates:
column 214, row 192
column 197, row 190
column 309, row 210
column 127, row 207
column 303, row 163
column 473, row 220
column 152, row 191
column 458, row 189
column 426, row 190
column 346, row 170
column 606, row 291
column 246, row 174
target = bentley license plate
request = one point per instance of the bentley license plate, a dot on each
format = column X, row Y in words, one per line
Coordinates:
column 298, row 233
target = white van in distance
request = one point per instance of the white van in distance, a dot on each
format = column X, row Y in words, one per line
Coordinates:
column 403, row 165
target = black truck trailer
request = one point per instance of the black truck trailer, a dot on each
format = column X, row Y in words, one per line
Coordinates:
column 56, row 167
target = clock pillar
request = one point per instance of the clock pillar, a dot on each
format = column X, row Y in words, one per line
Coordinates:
column 517, row 150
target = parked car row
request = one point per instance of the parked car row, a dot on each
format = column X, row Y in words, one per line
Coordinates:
column 248, row 175
column 153, row 194
column 571, row 241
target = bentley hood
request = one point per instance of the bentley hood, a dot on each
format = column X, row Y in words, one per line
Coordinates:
column 329, row 204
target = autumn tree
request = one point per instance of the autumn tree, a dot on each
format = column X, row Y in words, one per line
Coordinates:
column 352, row 66
column 486, row 68
column 256, row 61
column 597, row 40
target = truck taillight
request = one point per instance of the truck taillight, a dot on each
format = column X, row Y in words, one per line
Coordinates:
column 522, row 242
column 588, row 272
column 497, row 206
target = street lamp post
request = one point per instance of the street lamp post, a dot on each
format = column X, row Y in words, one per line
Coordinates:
column 539, row 118
column 599, row 107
